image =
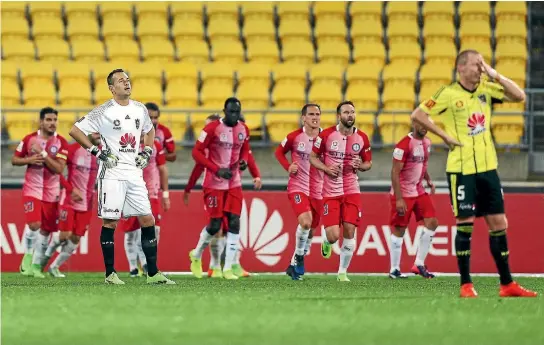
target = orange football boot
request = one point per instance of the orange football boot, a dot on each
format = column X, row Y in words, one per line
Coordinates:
column 515, row 290
column 468, row 291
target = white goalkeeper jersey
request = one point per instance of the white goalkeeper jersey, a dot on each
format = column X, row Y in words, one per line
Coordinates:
column 120, row 128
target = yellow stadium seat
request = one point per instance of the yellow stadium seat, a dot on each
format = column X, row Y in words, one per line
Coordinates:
column 158, row 50
column 146, row 80
column 82, row 28
column 507, row 129
column 438, row 30
column 10, row 71
column 511, row 51
column 402, row 10
column 102, row 94
column 333, row 52
column 436, row 72
column 88, row 50
column 364, row 96
column 255, row 10
column 398, row 95
column 10, row 92
column 182, row 73
column 198, row 120
column 13, row 9
column 258, row 30
column 152, row 28
column 279, row 125
column 330, row 29
column 509, row 107
column 513, row 69
column 441, row 52
column 403, row 30
column 45, row 9
column 76, row 10
column 288, row 96
column 65, row 121
column 293, row 30
column 296, row 10
column 116, row 10
column 328, row 120
column 509, row 29
column 475, row 30
column 217, row 73
column 187, row 10
column 177, row 122
column 53, row 50
column 327, row 72
column 263, row 52
column 32, row 72
column 194, row 51
column 510, row 10
column 180, row 94
column 44, row 28
column 123, row 51
column 222, row 10
column 14, row 28
column 474, row 11
column 18, row 50
column 290, row 73
column 20, row 124
column 38, row 94
column 326, row 93
column 67, row 72
column 298, row 52
column 369, row 30
column 330, row 10
column 365, row 122
column 253, row 72
column 253, row 121
column 231, row 52
column 253, row 94
column 400, row 71
column 100, row 73
column 435, row 139
column 75, row 93
column 438, row 11
column 213, row 94
column 118, row 28
column 429, row 88
column 405, row 51
column 394, row 127
column 223, row 30
column 188, row 29
column 365, row 10
column 363, row 74
column 372, row 53
column 482, row 46
column 152, row 9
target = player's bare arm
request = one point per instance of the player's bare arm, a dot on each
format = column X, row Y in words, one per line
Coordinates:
column 163, row 173
column 35, row 159
column 430, row 183
column 332, row 171
column 80, row 137
column 361, row 165
column 395, row 182
column 421, row 117
column 512, row 92
column 54, row 164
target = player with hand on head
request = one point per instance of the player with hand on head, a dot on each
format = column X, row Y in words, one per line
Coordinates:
column 345, row 151
column 227, row 141
column 305, row 184
column 162, row 133
column 475, row 187
column 410, row 160
column 121, row 187
column 43, row 152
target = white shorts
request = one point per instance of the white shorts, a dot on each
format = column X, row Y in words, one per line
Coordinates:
column 122, row 198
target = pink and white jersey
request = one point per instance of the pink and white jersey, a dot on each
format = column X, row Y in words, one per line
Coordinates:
column 227, row 146
column 152, row 176
column 341, row 150
column 82, row 171
column 414, row 153
column 40, row 182
column 164, row 136
column 308, row 180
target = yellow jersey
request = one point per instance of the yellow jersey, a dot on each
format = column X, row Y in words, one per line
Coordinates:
column 466, row 116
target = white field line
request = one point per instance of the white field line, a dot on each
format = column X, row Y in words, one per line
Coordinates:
column 523, row 275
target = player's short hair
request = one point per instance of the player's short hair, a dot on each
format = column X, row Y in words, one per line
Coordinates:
column 152, row 106
column 213, row 117
column 110, row 76
column 230, row 100
column 47, row 110
column 339, row 107
column 463, row 56
column 304, row 110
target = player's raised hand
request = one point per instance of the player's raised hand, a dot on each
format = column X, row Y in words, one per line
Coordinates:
column 142, row 159
column 76, row 195
column 35, row 159
column 186, row 198
column 257, row 183
column 488, row 70
column 401, row 207
column 333, row 170
column 224, row 173
column 293, row 168
column 242, row 165
column 110, row 160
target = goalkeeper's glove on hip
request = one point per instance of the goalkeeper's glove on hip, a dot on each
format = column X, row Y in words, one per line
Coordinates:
column 108, row 159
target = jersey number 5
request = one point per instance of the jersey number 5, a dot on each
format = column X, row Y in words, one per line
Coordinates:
column 461, row 193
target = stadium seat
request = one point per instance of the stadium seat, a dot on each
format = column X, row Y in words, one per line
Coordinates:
column 365, row 121
column 118, row 29
column 65, row 121
column 362, row 11
column 85, row 28
column 198, row 120
column 394, row 127
column 217, row 81
column 290, row 73
column 88, row 51
column 177, row 122
column 47, row 29
column 295, row 10
column 254, row 121
column 475, row 30
column 511, row 29
column 258, row 11
column 293, row 30
column 508, row 51
column 364, row 96
column 513, row 69
column 438, row 11
column 441, row 52
column 400, row 10
column 483, row 46
column 223, row 30
column 263, row 52
column 330, row 30
column 117, row 10
column 363, row 74
column 365, row 31
column 330, row 10
column 102, row 94
column 326, row 93
column 37, row 92
column 189, row 28
column 20, row 124
column 371, row 53
column 152, row 28
column 254, row 94
column 253, row 72
column 429, row 88
column 158, row 50
column 435, row 139
column 231, row 52
column 334, row 52
column 152, row 9
column 51, row 9
column 10, row 71
column 32, row 72
column 510, row 10
column 328, row 120
column 76, row 10
column 436, row 72
column 194, row 51
column 121, row 51
column 75, row 93
column 398, row 93
column 474, row 11
column 146, row 80
column 181, row 94
column 73, row 71
column 405, row 51
column 222, row 10
column 213, row 95
column 327, row 73
column 14, row 28
column 53, row 50
column 100, row 73
column 288, row 96
column 10, row 92
column 14, row 50
column 279, row 125
column 507, row 129
column 258, row 30
column 401, row 30
column 301, row 52
column 438, row 31
column 13, row 9
column 187, row 10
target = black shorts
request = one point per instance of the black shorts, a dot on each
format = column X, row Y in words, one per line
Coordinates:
column 476, row 195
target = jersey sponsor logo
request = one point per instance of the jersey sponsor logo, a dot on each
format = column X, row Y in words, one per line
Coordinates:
column 430, row 104
column 241, row 136
column 317, row 143
column 202, row 136
column 356, row 147
column 137, row 121
column 116, row 124
column 110, row 210
column 301, row 146
column 126, row 140
column 334, row 145
column 398, row 153
column 476, row 124
column 418, row 152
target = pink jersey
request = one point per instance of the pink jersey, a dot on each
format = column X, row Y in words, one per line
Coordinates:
column 82, row 171
column 227, row 146
column 165, row 138
column 338, row 149
column 40, row 182
column 152, row 177
column 308, row 180
column 414, row 153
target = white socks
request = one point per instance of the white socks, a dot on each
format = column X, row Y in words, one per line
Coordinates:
column 231, row 250
column 308, row 246
column 346, row 253
column 131, row 249
column 203, row 242
column 67, row 250
column 396, row 251
column 237, row 256
column 29, row 237
column 301, row 239
column 53, row 245
column 41, row 247
column 215, row 258
column 424, row 246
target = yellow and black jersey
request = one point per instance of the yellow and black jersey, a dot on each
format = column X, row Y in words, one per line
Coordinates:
column 467, row 117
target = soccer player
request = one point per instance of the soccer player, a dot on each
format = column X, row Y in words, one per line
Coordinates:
column 76, row 202
column 121, row 187
column 345, row 151
column 305, row 184
column 42, row 153
column 156, row 178
column 227, row 141
column 410, row 159
column 475, row 187
column 162, row 133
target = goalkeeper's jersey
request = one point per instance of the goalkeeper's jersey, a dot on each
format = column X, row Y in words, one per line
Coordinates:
column 466, row 116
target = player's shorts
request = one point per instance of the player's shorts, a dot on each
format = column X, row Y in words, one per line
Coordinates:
column 77, row 222
column 301, row 203
column 421, row 206
column 217, row 202
column 340, row 209
column 132, row 223
column 476, row 195
column 127, row 198
column 44, row 212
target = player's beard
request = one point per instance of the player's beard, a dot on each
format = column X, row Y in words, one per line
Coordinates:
column 347, row 123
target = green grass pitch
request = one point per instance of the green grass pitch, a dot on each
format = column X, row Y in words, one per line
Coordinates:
column 264, row 310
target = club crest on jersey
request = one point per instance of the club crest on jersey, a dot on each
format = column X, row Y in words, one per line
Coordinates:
column 334, row 145
column 116, row 124
column 356, row 147
column 127, row 140
column 476, row 124
column 223, row 137
column 482, row 99
column 241, row 136
column 137, row 121
column 53, row 149
column 301, row 146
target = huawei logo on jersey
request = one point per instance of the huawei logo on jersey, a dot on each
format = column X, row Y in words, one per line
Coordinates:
column 126, row 140
column 476, row 124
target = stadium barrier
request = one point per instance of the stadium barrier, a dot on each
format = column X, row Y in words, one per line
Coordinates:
column 268, row 225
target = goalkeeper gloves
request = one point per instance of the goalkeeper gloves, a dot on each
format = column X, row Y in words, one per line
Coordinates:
column 109, row 160
column 142, row 159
